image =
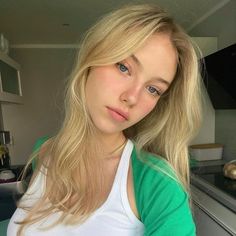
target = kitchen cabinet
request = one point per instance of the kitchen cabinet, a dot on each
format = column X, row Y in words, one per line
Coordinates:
column 10, row 82
column 206, row 225
column 211, row 217
column 7, row 206
column 11, row 192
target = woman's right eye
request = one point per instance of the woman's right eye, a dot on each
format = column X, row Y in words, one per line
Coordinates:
column 122, row 68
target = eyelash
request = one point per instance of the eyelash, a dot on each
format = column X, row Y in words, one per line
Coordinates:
column 119, row 65
column 156, row 92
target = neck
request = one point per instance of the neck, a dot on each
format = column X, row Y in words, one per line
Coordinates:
column 119, row 148
column 113, row 145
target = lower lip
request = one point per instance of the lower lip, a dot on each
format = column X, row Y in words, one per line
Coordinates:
column 116, row 116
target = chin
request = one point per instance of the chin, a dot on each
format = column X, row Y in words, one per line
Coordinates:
column 107, row 128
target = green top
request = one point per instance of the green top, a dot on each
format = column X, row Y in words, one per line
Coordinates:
column 161, row 201
column 36, row 147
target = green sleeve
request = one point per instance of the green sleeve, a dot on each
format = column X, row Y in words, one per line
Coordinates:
column 36, row 147
column 161, row 201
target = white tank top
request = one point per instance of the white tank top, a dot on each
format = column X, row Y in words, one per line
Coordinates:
column 114, row 218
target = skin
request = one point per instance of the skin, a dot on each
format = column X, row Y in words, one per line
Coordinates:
column 134, row 86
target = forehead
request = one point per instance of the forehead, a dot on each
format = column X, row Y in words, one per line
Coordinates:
column 157, row 57
column 159, row 42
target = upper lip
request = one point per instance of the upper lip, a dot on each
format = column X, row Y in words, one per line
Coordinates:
column 121, row 112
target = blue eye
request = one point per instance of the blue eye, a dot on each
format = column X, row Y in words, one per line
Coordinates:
column 152, row 90
column 122, row 68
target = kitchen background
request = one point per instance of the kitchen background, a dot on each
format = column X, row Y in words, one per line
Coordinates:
column 43, row 38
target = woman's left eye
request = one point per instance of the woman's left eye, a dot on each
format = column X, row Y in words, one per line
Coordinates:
column 122, row 68
column 152, row 90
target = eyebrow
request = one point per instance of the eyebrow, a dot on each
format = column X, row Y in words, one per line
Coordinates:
column 139, row 64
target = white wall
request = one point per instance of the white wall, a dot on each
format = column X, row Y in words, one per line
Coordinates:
column 207, row 45
column 43, row 73
column 226, row 132
column 206, row 132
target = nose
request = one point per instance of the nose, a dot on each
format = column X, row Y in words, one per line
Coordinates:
column 131, row 95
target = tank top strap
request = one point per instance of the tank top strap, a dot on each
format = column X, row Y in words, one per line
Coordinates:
column 114, row 195
column 124, row 163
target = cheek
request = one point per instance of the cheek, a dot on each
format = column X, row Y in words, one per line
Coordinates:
column 147, row 106
column 95, row 85
column 103, row 80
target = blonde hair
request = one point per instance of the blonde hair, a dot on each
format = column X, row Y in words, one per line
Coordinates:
column 166, row 131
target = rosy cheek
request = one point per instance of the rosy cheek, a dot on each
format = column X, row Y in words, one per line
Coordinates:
column 147, row 107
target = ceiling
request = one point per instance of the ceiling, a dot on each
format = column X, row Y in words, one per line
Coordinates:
column 64, row 21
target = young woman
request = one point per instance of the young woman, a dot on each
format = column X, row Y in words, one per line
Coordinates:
column 119, row 164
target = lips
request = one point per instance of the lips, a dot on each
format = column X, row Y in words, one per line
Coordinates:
column 124, row 114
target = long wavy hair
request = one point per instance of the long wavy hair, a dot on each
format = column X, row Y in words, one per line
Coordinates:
column 166, row 131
